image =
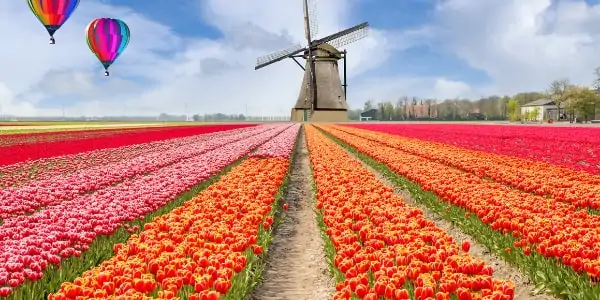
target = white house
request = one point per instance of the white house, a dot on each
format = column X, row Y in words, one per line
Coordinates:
column 545, row 108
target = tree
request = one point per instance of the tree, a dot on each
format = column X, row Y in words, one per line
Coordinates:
column 559, row 92
column 380, row 111
column 399, row 109
column 388, row 111
column 524, row 98
column 584, row 101
column 513, row 110
column 534, row 113
column 354, row 114
column 504, row 104
column 196, row 118
column 369, row 105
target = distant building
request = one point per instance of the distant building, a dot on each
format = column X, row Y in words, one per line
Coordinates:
column 546, row 109
column 370, row 114
column 476, row 115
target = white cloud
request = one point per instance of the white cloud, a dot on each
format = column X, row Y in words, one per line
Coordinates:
column 445, row 88
column 522, row 45
column 201, row 75
column 393, row 88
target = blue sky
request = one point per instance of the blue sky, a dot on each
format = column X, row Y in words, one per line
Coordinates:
column 421, row 60
column 199, row 55
column 182, row 15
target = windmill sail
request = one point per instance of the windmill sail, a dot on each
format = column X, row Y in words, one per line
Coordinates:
column 313, row 25
column 346, row 36
column 272, row 58
column 321, row 91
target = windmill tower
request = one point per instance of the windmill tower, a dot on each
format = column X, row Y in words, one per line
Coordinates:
column 322, row 95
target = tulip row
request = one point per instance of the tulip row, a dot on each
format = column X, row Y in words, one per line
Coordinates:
column 35, row 151
column 48, row 168
column 41, row 193
column 31, row 242
column 542, row 228
column 206, row 249
column 543, row 179
column 385, row 248
column 574, row 148
column 280, row 146
column 22, row 172
column 66, row 135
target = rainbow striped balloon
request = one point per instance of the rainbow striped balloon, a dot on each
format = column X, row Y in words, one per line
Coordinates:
column 107, row 38
column 52, row 13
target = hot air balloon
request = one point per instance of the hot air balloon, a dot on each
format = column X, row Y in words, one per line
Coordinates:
column 52, row 13
column 107, row 38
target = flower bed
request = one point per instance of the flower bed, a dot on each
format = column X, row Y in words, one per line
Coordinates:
column 280, row 146
column 41, row 193
column 47, row 168
column 207, row 249
column 24, row 152
column 384, row 248
column 575, row 148
column 543, row 179
column 540, row 235
column 31, row 243
column 22, row 138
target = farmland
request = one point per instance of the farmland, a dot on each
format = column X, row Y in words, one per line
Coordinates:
column 290, row 211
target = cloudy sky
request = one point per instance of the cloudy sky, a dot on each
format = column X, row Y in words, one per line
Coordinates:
column 198, row 56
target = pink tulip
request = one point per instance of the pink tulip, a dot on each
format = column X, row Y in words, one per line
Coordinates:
column 280, row 146
column 66, row 228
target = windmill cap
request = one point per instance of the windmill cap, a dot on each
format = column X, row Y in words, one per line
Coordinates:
column 334, row 54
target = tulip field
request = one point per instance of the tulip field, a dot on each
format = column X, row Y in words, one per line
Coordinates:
column 190, row 212
column 534, row 211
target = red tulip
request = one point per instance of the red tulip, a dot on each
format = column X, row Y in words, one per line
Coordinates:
column 466, row 246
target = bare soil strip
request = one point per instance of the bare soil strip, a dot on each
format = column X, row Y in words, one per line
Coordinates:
column 502, row 270
column 296, row 268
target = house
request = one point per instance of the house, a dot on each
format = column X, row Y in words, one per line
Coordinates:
column 543, row 109
column 370, row 114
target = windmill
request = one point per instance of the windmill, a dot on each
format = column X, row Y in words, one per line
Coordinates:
column 321, row 95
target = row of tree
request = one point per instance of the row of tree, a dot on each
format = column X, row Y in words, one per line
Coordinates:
column 572, row 101
column 492, row 108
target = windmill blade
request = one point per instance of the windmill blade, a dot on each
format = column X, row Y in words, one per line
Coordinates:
column 345, row 37
column 272, row 58
column 313, row 22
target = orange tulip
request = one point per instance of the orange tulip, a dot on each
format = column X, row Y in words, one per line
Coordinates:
column 376, row 235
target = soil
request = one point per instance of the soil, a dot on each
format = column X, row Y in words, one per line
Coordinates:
column 296, row 268
column 502, row 270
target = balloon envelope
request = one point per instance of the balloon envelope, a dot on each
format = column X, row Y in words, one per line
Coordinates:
column 107, row 38
column 52, row 13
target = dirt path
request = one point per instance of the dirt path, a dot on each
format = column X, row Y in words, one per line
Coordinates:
column 296, row 268
column 502, row 270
